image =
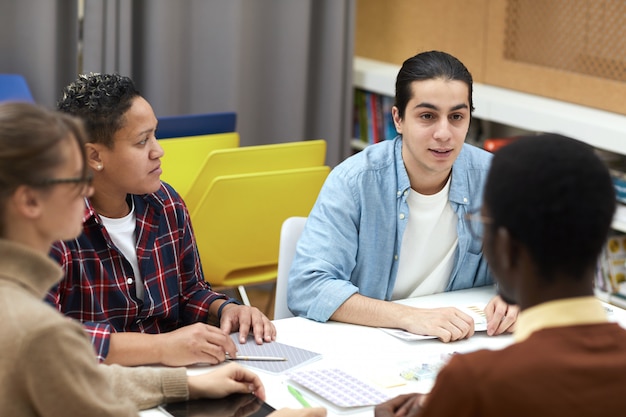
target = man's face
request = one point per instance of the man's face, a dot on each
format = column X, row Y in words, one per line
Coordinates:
column 434, row 126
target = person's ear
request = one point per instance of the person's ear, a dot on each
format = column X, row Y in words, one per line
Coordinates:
column 94, row 156
column 27, row 201
column 397, row 121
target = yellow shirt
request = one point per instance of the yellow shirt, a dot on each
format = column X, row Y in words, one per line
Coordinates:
column 559, row 313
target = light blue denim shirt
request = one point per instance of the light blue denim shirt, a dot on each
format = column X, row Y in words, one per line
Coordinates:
column 353, row 235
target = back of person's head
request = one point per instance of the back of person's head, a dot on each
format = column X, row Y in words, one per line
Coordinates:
column 428, row 66
column 555, row 196
column 29, row 155
column 101, row 101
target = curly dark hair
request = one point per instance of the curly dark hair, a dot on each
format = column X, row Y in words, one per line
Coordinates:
column 101, row 101
column 555, row 196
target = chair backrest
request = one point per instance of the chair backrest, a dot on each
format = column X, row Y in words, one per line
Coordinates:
column 184, row 157
column 13, row 87
column 237, row 225
column 248, row 159
column 289, row 235
column 196, row 124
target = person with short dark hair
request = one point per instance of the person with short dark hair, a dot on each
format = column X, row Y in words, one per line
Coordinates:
column 389, row 222
column 548, row 207
column 134, row 277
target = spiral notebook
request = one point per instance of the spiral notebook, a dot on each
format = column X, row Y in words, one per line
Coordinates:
column 339, row 387
column 295, row 356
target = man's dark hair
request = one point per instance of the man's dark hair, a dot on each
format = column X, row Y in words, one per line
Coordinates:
column 428, row 66
column 556, row 197
column 100, row 100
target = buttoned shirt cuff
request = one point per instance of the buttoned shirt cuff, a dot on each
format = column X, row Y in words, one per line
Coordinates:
column 224, row 304
column 100, row 334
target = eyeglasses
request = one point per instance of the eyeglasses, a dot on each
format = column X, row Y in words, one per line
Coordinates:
column 84, row 181
column 476, row 223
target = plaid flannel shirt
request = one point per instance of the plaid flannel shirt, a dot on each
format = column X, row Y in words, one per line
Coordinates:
column 98, row 287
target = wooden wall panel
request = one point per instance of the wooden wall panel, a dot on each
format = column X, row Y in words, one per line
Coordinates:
column 394, row 30
column 575, row 61
column 591, row 72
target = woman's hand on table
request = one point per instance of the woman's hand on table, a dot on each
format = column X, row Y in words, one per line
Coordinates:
column 223, row 381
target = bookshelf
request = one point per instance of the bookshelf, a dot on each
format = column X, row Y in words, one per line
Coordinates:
column 611, row 272
column 601, row 129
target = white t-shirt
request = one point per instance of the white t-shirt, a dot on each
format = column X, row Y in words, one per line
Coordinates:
column 428, row 245
column 122, row 232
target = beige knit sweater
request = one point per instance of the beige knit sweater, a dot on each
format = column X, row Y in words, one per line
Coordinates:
column 47, row 364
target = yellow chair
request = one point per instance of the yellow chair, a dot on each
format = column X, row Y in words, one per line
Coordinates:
column 238, row 230
column 184, row 157
column 247, row 159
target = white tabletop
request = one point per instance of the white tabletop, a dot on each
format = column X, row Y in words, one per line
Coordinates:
column 371, row 354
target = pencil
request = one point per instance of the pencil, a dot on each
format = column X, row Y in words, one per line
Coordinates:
column 256, row 358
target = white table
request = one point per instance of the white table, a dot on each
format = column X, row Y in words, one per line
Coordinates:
column 371, row 354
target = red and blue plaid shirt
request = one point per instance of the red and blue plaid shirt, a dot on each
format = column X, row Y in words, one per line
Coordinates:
column 99, row 286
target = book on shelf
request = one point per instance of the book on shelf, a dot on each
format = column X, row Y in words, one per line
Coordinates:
column 619, row 183
column 616, row 164
column 373, row 121
column 360, row 115
column 611, row 271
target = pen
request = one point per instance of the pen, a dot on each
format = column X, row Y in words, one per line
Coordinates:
column 298, row 396
column 256, row 358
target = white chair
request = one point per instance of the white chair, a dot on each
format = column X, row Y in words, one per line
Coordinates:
column 289, row 234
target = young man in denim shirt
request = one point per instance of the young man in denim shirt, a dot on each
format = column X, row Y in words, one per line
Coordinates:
column 390, row 221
